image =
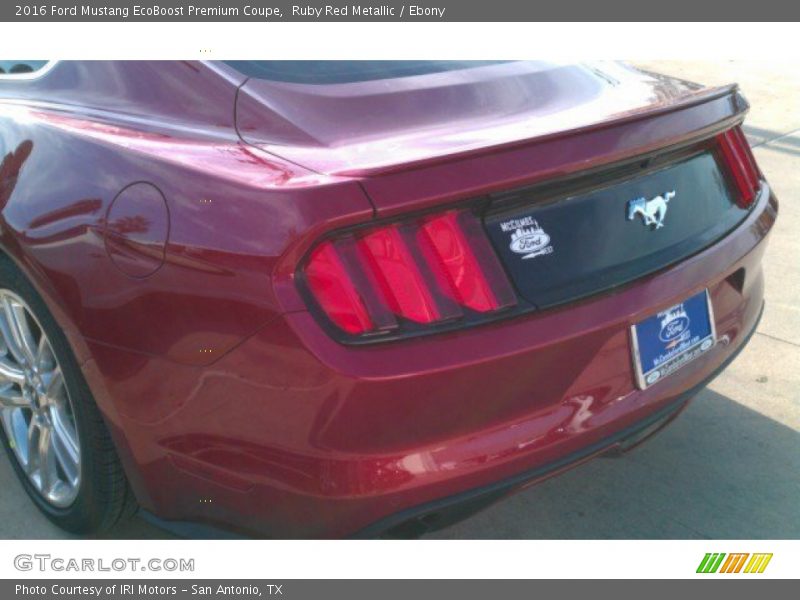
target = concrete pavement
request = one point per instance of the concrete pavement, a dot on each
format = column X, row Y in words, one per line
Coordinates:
column 729, row 467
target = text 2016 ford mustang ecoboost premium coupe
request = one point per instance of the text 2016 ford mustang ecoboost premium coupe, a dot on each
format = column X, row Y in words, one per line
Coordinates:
column 326, row 299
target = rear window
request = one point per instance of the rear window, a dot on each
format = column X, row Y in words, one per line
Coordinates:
column 347, row 71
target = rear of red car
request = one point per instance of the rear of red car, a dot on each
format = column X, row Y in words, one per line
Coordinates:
column 488, row 326
column 529, row 265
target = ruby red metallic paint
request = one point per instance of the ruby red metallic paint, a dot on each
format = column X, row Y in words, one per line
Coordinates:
column 137, row 230
column 216, row 380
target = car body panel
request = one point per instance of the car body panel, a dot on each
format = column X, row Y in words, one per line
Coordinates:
column 555, row 156
column 61, row 230
column 328, row 434
column 393, row 124
column 228, row 401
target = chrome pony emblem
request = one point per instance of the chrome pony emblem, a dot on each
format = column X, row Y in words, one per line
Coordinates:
column 652, row 211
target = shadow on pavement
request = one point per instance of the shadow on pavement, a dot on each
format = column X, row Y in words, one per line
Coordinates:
column 783, row 142
column 720, row 470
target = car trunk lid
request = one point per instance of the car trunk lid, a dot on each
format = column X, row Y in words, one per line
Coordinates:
column 562, row 242
column 377, row 125
column 563, row 199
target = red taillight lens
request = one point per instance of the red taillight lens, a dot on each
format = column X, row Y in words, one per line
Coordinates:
column 335, row 292
column 741, row 164
column 419, row 273
column 458, row 246
column 399, row 274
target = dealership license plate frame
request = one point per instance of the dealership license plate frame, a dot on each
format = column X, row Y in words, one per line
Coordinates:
column 706, row 340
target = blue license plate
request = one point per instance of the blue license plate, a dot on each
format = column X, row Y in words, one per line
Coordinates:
column 668, row 340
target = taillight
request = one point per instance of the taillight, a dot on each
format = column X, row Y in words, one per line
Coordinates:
column 470, row 266
column 408, row 276
column 338, row 297
column 741, row 164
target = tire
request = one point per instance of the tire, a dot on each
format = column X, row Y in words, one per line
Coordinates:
column 65, row 458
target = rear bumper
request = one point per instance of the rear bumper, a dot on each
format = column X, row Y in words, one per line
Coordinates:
column 294, row 435
column 446, row 511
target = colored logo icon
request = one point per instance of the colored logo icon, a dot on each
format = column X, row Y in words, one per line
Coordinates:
column 741, row 562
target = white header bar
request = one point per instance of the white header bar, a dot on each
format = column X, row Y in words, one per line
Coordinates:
column 462, row 41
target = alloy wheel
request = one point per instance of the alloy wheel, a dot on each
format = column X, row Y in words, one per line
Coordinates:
column 35, row 406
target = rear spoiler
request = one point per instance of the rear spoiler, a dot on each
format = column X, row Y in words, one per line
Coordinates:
column 728, row 95
column 559, row 155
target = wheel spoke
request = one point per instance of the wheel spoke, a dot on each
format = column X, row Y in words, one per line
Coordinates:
column 44, row 354
column 8, row 336
column 65, row 444
column 12, row 398
column 33, row 447
column 10, row 372
column 47, row 463
column 53, row 383
column 18, row 335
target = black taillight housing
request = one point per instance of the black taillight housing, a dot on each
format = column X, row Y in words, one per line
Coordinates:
column 407, row 276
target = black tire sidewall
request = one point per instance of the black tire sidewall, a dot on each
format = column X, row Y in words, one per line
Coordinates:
column 87, row 512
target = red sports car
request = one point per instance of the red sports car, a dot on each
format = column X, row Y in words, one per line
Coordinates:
column 326, row 299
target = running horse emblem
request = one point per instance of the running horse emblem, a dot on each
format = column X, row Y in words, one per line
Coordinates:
column 652, row 211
